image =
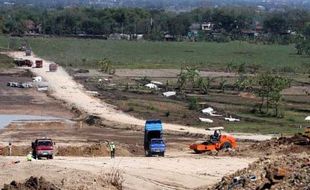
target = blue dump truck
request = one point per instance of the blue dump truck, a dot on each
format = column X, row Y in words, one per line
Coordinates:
column 153, row 138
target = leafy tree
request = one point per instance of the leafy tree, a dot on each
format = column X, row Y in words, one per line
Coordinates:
column 105, row 66
column 269, row 88
column 276, row 24
column 244, row 83
column 187, row 76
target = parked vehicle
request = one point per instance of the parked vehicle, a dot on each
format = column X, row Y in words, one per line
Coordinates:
column 153, row 138
column 20, row 84
column 23, row 63
column 53, row 67
column 39, row 63
column 28, row 52
column 43, row 148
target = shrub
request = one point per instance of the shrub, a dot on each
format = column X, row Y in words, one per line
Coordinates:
column 193, row 104
column 114, row 177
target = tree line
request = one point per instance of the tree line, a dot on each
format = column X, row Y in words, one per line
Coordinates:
column 229, row 22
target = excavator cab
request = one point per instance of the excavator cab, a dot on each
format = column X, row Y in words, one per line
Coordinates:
column 217, row 142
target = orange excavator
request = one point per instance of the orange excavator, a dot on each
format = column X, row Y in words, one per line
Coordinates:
column 217, row 142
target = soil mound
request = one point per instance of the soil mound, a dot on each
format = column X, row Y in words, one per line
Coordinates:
column 33, row 183
column 90, row 151
column 283, row 145
column 284, row 164
column 276, row 172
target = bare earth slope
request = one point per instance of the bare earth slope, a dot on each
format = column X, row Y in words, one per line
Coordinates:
column 64, row 88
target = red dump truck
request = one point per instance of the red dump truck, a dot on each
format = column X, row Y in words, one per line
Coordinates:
column 39, row 63
column 43, row 148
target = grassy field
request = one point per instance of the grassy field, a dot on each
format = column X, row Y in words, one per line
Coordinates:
column 5, row 62
column 145, row 54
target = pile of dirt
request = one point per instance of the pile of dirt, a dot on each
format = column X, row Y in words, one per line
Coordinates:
column 90, row 150
column 284, row 164
column 85, row 150
column 276, row 172
column 16, row 150
column 93, row 120
column 33, row 183
column 283, row 145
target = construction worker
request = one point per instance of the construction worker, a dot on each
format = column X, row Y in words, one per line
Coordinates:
column 112, row 149
column 29, row 156
column 10, row 149
column 215, row 137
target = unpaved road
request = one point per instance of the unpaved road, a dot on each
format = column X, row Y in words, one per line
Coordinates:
column 27, row 101
column 64, row 88
column 171, row 172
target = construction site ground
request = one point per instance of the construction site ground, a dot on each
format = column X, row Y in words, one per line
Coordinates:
column 82, row 157
column 82, row 154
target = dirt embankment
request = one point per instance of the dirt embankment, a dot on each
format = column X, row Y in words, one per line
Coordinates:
column 84, row 150
column 284, row 164
column 271, row 172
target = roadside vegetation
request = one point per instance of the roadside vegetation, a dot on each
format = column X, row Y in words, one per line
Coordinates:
column 5, row 62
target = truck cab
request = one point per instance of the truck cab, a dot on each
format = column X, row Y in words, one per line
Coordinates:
column 43, row 148
column 153, row 138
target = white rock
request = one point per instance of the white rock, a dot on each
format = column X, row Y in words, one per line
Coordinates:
column 231, row 119
column 211, row 112
column 157, row 82
column 169, row 93
column 37, row 79
column 207, row 110
column 206, row 120
column 152, row 86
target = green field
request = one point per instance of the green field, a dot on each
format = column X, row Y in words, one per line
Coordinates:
column 144, row 54
column 5, row 62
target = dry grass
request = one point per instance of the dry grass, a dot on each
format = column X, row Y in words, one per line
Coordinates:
column 115, row 178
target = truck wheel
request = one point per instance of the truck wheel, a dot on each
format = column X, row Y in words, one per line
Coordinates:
column 162, row 154
column 226, row 145
column 51, row 157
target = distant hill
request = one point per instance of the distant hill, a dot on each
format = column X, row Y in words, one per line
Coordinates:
column 172, row 5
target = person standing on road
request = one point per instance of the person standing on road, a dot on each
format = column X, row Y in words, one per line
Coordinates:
column 29, row 156
column 10, row 149
column 112, row 149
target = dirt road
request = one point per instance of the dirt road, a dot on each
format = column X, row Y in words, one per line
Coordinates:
column 27, row 101
column 64, row 88
column 139, row 173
